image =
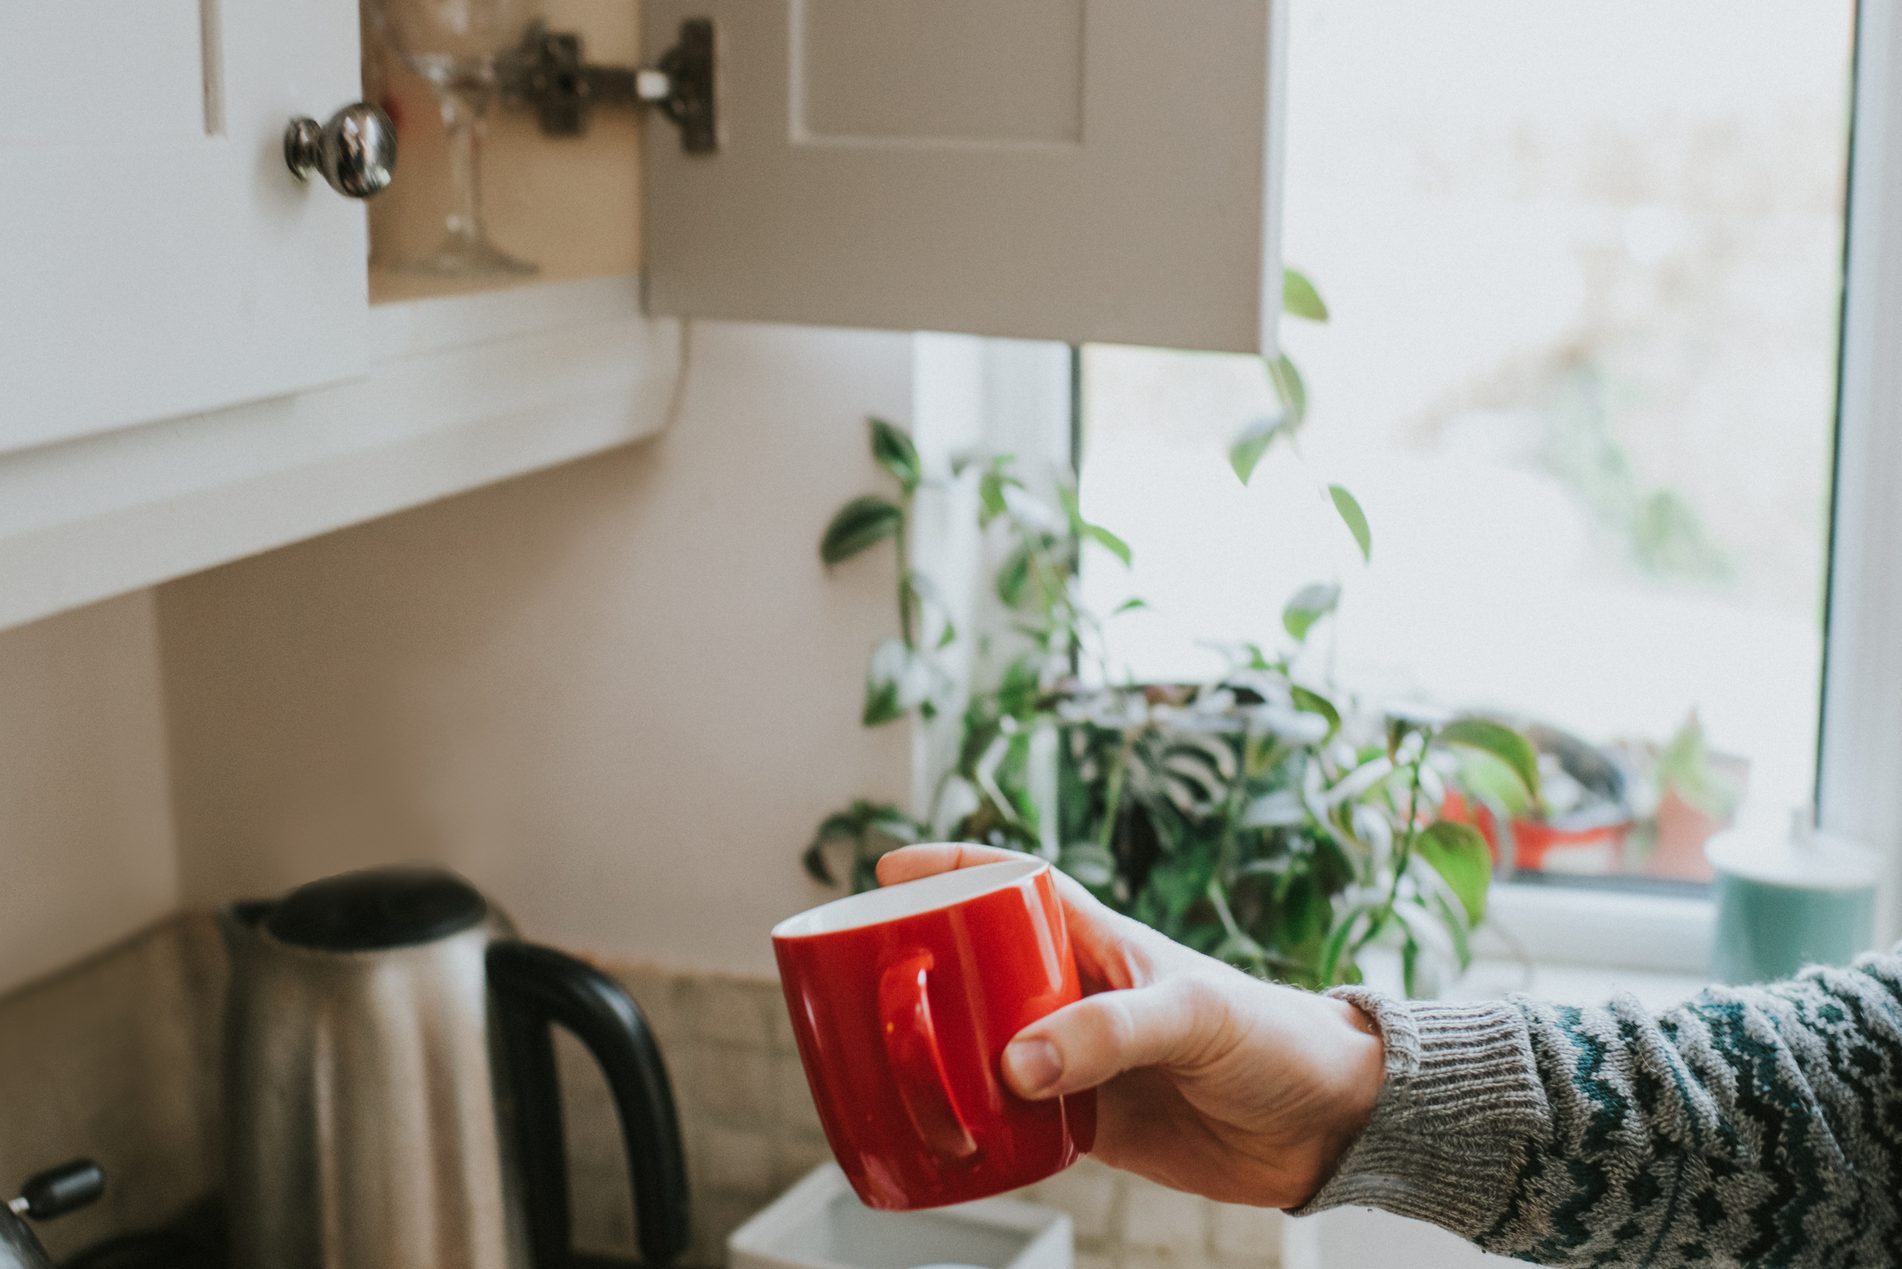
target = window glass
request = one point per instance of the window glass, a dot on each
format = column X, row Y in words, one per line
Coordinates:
column 1583, row 262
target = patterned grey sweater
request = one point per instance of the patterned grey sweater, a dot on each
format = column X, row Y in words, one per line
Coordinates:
column 1757, row 1126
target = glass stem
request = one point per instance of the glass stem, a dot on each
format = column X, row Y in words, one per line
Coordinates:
column 465, row 110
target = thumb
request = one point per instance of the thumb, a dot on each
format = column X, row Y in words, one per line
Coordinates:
column 1101, row 1036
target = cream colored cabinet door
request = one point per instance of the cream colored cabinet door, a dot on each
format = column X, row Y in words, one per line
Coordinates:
column 156, row 254
column 1063, row 169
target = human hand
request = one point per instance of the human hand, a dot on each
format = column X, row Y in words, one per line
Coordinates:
column 1210, row 1080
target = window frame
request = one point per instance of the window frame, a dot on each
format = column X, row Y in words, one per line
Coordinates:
column 1859, row 759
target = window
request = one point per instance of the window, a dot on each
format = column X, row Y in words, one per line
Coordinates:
column 1584, row 263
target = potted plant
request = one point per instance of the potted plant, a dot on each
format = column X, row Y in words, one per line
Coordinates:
column 1580, row 824
column 1258, row 816
column 1694, row 793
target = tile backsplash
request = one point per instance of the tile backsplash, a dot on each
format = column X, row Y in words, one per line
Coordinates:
column 112, row 1059
column 117, row 1058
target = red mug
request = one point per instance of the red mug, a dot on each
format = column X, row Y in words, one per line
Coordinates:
column 902, row 1000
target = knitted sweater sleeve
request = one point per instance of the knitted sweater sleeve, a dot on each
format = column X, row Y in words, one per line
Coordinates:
column 1749, row 1126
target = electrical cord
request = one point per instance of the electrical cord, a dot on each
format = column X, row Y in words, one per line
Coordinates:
column 683, row 366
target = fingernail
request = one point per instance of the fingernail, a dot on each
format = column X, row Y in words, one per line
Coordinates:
column 1032, row 1066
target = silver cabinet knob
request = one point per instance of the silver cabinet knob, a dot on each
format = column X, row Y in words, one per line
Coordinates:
column 356, row 150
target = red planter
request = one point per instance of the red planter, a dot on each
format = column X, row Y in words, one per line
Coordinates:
column 1591, row 848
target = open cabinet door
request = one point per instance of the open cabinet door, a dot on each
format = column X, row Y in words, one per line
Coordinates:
column 1080, row 170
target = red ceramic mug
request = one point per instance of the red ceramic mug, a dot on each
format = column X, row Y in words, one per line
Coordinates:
column 902, row 1000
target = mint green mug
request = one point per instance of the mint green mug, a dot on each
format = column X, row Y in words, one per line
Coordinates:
column 1806, row 900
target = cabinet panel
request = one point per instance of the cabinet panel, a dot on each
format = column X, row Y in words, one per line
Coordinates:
column 870, row 68
column 102, row 71
column 173, row 264
column 1100, row 170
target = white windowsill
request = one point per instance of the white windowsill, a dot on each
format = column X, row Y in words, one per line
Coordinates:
column 1583, row 985
column 1604, row 927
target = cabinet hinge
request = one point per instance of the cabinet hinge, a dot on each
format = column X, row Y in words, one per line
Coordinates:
column 548, row 73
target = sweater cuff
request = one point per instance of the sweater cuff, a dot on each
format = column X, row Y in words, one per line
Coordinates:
column 1459, row 1106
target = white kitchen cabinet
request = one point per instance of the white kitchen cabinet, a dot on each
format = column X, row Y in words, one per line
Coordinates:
column 156, row 255
column 191, row 367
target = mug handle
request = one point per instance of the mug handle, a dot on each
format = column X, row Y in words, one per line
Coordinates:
column 911, row 1045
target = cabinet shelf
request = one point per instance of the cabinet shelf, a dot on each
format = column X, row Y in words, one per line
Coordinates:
column 463, row 391
column 393, row 286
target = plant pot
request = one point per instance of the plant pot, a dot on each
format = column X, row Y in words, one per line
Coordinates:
column 1682, row 831
column 820, row 1224
column 1586, row 839
column 1590, row 845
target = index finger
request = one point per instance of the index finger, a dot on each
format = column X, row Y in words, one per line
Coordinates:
column 1111, row 949
column 909, row 863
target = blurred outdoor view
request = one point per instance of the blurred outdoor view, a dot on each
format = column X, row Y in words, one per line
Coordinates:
column 1584, row 266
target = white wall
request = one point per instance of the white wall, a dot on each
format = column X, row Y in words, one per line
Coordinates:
column 86, row 847
column 619, row 694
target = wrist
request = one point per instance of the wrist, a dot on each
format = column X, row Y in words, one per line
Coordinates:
column 1460, row 1100
column 1357, row 1065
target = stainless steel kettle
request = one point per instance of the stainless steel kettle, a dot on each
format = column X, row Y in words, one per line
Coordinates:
column 390, row 1087
column 53, row 1193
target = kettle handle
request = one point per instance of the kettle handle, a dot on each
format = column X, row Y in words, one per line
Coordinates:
column 535, row 987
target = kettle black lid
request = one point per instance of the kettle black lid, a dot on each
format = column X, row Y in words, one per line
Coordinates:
column 376, row 910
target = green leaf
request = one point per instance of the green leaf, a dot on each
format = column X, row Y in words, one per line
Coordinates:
column 1013, row 575
column 1134, row 603
column 1354, row 518
column 1315, row 703
column 1299, row 298
column 1273, row 867
column 1427, row 928
column 1018, row 686
column 1109, row 542
column 1493, row 783
column 1346, row 927
column 836, row 826
column 1453, row 920
column 1089, row 864
column 896, row 454
column 1255, row 440
column 881, row 702
column 990, row 491
column 1072, row 509
column 1460, row 855
column 1498, row 741
column 925, row 589
column 900, row 679
column 1307, row 606
column 892, row 822
column 1290, row 388
column 931, row 601
column 860, row 523
column 1181, row 880
column 1280, row 809
column 1240, row 950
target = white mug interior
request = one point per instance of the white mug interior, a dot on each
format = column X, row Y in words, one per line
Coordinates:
column 909, row 898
